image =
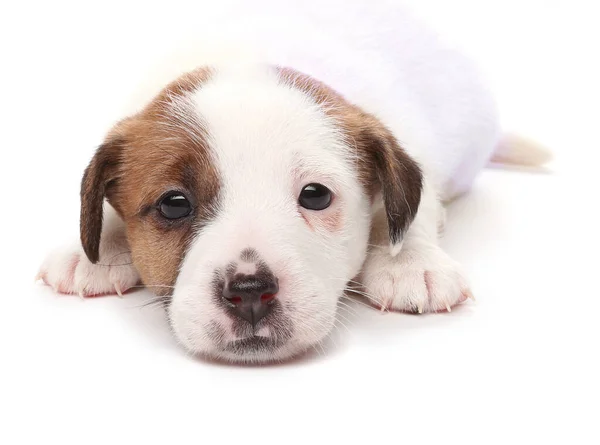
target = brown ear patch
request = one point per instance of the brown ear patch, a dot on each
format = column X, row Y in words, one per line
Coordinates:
column 383, row 165
column 398, row 176
column 98, row 176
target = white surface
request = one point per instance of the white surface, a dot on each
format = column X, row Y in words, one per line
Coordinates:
column 519, row 366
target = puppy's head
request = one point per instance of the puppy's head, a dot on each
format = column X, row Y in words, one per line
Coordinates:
column 248, row 196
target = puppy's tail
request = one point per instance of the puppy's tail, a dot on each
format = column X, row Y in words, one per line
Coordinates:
column 518, row 151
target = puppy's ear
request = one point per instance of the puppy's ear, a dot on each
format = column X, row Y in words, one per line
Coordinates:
column 98, row 179
column 397, row 176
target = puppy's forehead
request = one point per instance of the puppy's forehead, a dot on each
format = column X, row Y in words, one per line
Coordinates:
column 260, row 125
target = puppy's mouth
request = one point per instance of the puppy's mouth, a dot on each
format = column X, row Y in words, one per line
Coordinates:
column 253, row 345
column 248, row 342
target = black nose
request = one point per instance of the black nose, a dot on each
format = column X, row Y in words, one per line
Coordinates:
column 251, row 297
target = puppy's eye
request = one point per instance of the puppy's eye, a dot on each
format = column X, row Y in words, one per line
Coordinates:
column 315, row 197
column 174, row 206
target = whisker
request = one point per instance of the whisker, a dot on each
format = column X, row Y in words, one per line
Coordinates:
column 377, row 246
column 155, row 302
column 343, row 305
column 361, row 285
column 342, row 323
column 154, row 285
column 309, row 328
column 368, row 296
column 362, row 303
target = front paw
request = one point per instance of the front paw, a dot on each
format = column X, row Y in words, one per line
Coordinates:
column 68, row 271
column 418, row 280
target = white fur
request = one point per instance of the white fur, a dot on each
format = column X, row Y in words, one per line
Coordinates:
column 68, row 270
column 269, row 140
column 280, row 142
column 422, row 277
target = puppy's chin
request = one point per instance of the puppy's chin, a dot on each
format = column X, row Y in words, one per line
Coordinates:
column 286, row 334
column 258, row 350
column 255, row 350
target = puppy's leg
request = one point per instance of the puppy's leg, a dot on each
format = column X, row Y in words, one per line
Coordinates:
column 422, row 277
column 68, row 270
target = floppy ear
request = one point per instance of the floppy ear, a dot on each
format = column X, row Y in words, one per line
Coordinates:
column 397, row 176
column 383, row 163
column 98, row 179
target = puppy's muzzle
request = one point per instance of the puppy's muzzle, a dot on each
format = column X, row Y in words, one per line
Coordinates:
column 251, row 297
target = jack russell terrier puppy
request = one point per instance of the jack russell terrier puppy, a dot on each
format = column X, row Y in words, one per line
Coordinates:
column 311, row 150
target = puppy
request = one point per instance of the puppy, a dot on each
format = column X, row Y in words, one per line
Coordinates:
column 281, row 169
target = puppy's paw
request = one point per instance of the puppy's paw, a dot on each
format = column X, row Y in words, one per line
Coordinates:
column 418, row 280
column 68, row 271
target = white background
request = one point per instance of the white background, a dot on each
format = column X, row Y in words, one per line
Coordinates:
column 518, row 366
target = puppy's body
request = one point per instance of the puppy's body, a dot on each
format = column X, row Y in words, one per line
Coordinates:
column 368, row 107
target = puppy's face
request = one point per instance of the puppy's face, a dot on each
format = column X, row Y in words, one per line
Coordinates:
column 247, row 197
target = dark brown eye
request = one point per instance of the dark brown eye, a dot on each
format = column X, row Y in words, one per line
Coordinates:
column 174, row 206
column 315, row 197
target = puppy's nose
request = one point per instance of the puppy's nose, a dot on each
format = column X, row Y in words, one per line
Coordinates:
column 251, row 297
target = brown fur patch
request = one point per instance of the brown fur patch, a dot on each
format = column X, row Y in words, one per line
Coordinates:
column 162, row 148
column 383, row 165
